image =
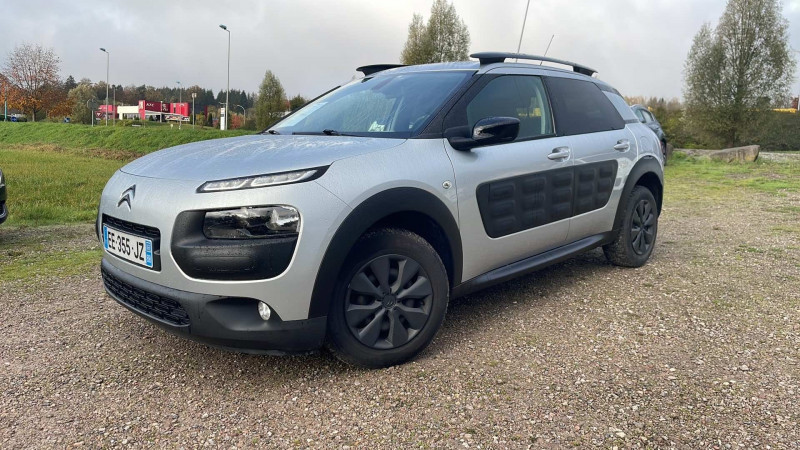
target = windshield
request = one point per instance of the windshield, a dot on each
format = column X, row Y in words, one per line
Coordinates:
column 385, row 106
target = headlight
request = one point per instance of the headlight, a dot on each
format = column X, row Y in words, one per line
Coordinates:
column 261, row 180
column 251, row 222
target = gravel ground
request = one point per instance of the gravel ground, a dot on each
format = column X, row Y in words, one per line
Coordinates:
column 698, row 349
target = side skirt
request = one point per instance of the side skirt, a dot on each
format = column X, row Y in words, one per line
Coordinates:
column 531, row 264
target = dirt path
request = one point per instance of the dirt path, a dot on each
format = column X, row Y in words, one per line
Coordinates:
column 700, row 348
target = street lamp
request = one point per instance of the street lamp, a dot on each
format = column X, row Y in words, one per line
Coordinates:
column 194, row 94
column 180, row 103
column 798, row 97
column 108, row 60
column 228, row 87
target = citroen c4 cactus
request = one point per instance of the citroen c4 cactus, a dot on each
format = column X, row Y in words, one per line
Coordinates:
column 352, row 222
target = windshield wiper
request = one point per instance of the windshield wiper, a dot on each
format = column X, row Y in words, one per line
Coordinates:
column 330, row 132
column 272, row 132
column 326, row 132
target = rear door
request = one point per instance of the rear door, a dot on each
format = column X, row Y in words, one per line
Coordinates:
column 601, row 145
column 514, row 199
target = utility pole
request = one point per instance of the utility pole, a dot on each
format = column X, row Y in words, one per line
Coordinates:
column 228, row 86
column 108, row 60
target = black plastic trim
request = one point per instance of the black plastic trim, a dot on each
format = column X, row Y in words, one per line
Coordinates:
column 365, row 216
column 644, row 166
column 228, row 259
column 231, row 323
column 531, row 264
column 375, row 68
column 499, row 57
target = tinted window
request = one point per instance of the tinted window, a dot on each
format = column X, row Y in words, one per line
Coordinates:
column 640, row 115
column 649, row 116
column 581, row 107
column 518, row 96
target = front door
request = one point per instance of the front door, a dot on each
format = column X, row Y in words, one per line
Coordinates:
column 514, row 199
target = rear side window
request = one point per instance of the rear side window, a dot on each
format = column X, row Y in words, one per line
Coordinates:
column 519, row 96
column 581, row 107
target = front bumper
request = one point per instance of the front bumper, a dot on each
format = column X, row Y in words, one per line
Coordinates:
column 227, row 322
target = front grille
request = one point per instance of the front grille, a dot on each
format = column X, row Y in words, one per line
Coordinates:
column 130, row 227
column 163, row 308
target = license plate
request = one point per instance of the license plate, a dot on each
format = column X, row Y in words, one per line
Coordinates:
column 129, row 247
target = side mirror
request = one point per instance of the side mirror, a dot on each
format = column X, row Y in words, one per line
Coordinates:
column 488, row 131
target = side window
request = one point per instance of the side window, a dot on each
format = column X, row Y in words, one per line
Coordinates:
column 519, row 96
column 649, row 117
column 640, row 115
column 581, row 107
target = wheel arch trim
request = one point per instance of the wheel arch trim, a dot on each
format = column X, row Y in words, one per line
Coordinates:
column 369, row 213
column 646, row 166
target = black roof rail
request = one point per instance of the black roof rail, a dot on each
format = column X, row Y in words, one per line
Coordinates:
column 375, row 68
column 498, row 57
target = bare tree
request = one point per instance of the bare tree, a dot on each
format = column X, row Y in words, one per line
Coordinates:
column 33, row 72
column 739, row 69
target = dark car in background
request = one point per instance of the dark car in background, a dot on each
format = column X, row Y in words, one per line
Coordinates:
column 646, row 117
column 3, row 209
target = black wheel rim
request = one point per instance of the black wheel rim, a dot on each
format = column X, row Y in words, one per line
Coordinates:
column 388, row 302
column 643, row 233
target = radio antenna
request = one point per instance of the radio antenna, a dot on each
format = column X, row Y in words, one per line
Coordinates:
column 521, row 33
column 548, row 48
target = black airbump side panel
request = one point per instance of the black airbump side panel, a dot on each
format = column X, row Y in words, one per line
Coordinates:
column 527, row 201
column 593, row 185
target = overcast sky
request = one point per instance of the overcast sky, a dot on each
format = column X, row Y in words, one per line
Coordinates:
column 639, row 46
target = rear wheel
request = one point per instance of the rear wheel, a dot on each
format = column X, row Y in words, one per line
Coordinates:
column 637, row 238
column 390, row 302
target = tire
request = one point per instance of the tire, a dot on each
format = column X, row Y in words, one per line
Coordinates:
column 390, row 300
column 634, row 244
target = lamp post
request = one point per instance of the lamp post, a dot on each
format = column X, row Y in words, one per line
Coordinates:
column 180, row 103
column 194, row 94
column 798, row 97
column 108, row 60
column 244, row 114
column 114, row 107
column 91, row 110
column 228, row 86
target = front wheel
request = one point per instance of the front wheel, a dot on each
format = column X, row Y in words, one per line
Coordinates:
column 390, row 301
column 637, row 237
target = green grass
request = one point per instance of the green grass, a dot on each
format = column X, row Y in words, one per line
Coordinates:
column 46, row 188
column 697, row 179
column 59, row 263
column 128, row 141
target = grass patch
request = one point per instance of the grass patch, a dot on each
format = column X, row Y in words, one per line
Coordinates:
column 60, row 263
column 51, row 188
column 701, row 179
column 127, row 140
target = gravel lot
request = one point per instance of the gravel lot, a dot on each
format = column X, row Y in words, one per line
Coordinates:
column 698, row 349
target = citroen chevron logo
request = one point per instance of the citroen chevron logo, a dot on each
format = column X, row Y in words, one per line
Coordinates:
column 127, row 197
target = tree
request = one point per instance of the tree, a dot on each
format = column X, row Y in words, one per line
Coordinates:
column 296, row 102
column 738, row 70
column 444, row 38
column 70, row 84
column 78, row 98
column 33, row 71
column 271, row 101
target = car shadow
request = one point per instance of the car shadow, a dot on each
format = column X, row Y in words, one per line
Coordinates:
column 530, row 291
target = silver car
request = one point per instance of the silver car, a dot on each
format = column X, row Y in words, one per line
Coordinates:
column 353, row 221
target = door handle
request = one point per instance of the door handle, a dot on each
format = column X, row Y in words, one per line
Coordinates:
column 559, row 153
column 622, row 145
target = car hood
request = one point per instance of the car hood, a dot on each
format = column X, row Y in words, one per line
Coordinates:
column 218, row 159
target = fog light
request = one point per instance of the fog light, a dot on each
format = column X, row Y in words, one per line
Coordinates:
column 264, row 311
